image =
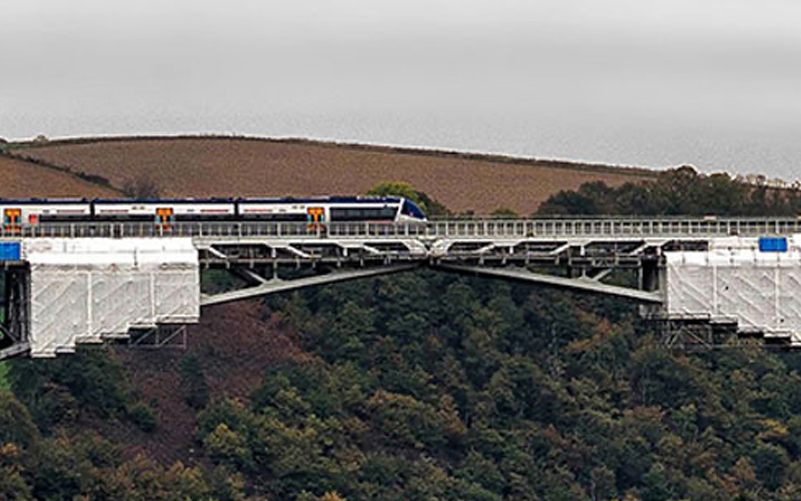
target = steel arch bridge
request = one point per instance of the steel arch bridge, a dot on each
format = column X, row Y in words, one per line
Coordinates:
column 578, row 253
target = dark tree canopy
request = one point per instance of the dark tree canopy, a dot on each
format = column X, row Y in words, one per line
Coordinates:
column 681, row 191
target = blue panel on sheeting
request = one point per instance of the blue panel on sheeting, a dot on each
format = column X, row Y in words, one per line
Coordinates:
column 771, row 244
column 10, row 251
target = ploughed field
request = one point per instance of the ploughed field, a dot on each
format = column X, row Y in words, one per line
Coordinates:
column 207, row 167
column 21, row 179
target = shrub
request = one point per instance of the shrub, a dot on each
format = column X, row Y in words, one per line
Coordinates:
column 143, row 416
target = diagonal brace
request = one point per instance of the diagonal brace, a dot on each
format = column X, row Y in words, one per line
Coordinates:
column 277, row 285
column 577, row 284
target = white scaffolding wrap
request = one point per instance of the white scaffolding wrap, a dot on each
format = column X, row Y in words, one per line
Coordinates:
column 84, row 290
column 735, row 281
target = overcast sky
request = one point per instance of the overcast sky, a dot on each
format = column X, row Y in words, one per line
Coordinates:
column 715, row 83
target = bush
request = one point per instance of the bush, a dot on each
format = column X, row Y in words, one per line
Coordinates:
column 143, row 416
column 142, row 186
column 16, row 425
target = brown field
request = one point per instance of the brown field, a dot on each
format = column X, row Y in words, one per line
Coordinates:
column 204, row 166
column 20, row 179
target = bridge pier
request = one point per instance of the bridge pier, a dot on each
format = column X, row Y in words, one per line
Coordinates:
column 650, row 275
column 15, row 325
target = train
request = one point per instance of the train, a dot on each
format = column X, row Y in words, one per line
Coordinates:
column 166, row 212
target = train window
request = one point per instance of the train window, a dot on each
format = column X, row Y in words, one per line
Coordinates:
column 277, row 217
column 411, row 209
column 362, row 214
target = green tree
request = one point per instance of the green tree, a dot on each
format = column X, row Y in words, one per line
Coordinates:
column 227, row 446
column 13, row 486
column 89, row 380
column 770, row 462
column 428, row 205
column 16, row 425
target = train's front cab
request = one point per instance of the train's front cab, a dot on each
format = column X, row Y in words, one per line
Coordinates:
column 410, row 212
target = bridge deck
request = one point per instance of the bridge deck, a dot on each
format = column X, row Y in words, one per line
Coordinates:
column 612, row 227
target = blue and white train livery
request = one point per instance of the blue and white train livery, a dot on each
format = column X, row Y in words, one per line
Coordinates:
column 164, row 212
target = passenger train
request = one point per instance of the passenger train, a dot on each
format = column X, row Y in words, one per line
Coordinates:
column 165, row 212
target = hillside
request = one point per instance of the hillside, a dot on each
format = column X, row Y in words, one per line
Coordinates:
column 233, row 344
column 370, row 390
column 207, row 166
column 22, row 179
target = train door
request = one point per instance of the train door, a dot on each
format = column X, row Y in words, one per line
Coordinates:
column 12, row 220
column 164, row 218
column 315, row 216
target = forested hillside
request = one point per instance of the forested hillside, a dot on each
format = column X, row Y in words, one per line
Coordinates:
column 429, row 386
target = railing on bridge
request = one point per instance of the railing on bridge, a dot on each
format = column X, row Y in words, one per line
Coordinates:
column 612, row 227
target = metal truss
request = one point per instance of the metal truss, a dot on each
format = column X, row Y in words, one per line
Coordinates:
column 303, row 250
column 579, row 264
column 274, row 285
column 698, row 334
column 16, row 308
column 160, row 336
column 582, row 283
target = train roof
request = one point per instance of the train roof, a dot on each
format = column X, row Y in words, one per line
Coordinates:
column 322, row 199
column 31, row 201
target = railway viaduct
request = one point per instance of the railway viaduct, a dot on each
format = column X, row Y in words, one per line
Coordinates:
column 67, row 284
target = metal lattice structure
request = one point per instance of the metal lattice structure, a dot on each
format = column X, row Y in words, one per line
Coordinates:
column 582, row 254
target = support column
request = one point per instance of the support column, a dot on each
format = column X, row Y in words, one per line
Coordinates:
column 5, row 332
column 16, row 311
column 653, row 280
column 649, row 275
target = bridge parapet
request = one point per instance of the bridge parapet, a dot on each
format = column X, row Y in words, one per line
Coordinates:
column 592, row 227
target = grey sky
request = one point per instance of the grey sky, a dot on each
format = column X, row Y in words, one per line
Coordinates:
column 716, row 83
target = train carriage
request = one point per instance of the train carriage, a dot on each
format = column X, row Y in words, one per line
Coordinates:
column 166, row 212
column 163, row 212
column 333, row 210
column 19, row 213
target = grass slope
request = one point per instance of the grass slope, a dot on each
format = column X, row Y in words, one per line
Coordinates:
column 25, row 179
column 233, row 166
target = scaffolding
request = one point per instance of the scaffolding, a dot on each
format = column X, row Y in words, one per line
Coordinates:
column 90, row 290
column 736, row 281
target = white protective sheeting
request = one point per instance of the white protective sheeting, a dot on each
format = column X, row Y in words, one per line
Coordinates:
column 84, row 290
column 734, row 280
